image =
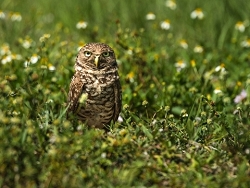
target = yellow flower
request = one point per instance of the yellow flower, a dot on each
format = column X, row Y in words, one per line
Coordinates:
column 80, row 45
column 197, row 14
column 240, row 26
column 44, row 37
column 144, row 103
column 130, row 76
column 16, row 17
column 2, row 15
column 165, row 25
column 34, row 58
column 26, row 43
column 245, row 43
column 217, row 91
column 130, row 52
column 6, row 59
column 181, row 64
column 15, row 120
column 51, row 67
column 81, row 24
column 5, row 49
column 183, row 44
column 171, row 4
column 221, row 68
column 150, row 16
column 209, row 121
column 192, row 62
column 126, row 106
column 198, row 49
column 16, row 56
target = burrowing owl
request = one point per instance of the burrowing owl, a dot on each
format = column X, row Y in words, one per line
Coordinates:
column 95, row 91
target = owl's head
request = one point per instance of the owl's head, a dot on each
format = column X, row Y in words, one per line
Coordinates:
column 96, row 56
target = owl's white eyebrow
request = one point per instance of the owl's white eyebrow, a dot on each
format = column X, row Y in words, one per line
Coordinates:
column 102, row 53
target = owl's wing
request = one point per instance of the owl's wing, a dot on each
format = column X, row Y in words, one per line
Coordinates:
column 75, row 91
column 118, row 99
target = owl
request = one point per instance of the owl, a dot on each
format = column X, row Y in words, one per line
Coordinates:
column 95, row 92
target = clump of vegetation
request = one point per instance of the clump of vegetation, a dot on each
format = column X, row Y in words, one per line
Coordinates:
column 186, row 94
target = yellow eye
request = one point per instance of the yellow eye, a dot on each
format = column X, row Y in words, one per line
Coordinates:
column 87, row 53
column 106, row 54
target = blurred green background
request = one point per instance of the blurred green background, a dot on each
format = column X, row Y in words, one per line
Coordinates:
column 41, row 17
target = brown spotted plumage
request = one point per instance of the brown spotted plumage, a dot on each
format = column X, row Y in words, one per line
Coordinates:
column 95, row 91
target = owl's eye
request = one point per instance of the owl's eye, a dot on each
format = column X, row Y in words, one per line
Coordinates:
column 87, row 53
column 106, row 54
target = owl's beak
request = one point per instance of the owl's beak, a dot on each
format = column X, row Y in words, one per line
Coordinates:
column 97, row 61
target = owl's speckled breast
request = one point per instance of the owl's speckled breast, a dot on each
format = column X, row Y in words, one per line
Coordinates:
column 98, row 83
column 96, row 76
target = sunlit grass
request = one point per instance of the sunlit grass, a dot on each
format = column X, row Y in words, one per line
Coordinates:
column 185, row 75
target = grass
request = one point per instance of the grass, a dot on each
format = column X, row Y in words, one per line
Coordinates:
column 186, row 95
